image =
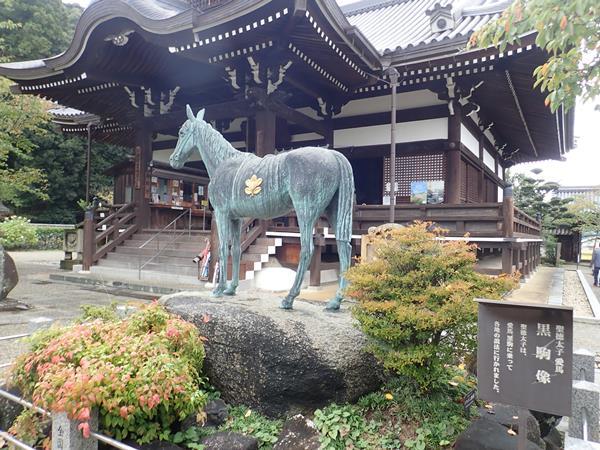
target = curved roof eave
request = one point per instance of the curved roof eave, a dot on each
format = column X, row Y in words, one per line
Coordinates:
column 354, row 38
column 96, row 14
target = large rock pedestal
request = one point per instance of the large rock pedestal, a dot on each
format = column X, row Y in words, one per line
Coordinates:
column 8, row 274
column 276, row 361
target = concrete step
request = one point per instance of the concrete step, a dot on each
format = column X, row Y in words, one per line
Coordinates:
column 262, row 257
column 177, row 245
column 183, row 252
column 178, row 260
column 184, row 270
column 268, row 241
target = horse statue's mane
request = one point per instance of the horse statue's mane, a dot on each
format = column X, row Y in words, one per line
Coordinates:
column 220, row 148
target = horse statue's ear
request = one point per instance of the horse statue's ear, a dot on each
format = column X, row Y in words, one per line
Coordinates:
column 189, row 112
column 200, row 115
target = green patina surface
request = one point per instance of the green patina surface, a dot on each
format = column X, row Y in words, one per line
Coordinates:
column 313, row 181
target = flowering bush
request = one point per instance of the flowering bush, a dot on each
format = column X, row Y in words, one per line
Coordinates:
column 416, row 301
column 16, row 232
column 141, row 373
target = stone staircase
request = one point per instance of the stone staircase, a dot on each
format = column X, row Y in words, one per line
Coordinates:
column 174, row 264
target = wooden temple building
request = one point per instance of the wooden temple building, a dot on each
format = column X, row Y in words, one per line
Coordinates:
column 280, row 74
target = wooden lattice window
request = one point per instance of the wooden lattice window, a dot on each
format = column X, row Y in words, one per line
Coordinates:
column 431, row 167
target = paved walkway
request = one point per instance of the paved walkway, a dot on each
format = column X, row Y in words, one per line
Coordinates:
column 536, row 289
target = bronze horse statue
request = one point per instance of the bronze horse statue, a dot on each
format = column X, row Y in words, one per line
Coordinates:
column 310, row 180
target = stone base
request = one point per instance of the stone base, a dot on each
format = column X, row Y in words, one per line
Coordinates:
column 279, row 362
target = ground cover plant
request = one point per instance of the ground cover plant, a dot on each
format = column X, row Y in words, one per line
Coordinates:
column 415, row 301
column 399, row 416
column 143, row 373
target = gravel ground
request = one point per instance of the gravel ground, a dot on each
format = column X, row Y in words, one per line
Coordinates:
column 43, row 298
column 574, row 295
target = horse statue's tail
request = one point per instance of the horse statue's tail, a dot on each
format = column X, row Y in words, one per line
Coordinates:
column 343, row 228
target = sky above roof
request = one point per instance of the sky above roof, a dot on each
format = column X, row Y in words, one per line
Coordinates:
column 581, row 165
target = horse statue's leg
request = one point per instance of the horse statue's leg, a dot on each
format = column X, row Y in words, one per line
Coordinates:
column 340, row 219
column 345, row 254
column 236, row 253
column 223, row 229
column 306, row 222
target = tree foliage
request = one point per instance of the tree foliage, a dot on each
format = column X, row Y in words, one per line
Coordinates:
column 569, row 30
column 42, row 171
column 415, row 300
column 20, row 117
column 537, row 198
column 36, row 28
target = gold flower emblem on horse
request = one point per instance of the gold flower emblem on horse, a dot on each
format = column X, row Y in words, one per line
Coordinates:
column 253, row 186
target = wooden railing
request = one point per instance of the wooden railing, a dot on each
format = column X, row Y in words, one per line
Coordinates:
column 252, row 229
column 476, row 219
column 525, row 224
column 101, row 237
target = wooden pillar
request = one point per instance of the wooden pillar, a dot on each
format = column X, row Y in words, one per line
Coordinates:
column 508, row 211
column 482, row 190
column 143, row 156
column 523, row 258
column 89, row 238
column 315, row 263
column 507, row 259
column 265, row 132
column 453, row 159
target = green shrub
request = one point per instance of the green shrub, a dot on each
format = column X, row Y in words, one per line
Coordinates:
column 550, row 247
column 415, row 300
column 245, row 421
column 341, row 427
column 141, row 373
column 17, row 233
column 49, row 238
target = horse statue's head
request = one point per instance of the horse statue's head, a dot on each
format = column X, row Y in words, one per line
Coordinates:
column 187, row 140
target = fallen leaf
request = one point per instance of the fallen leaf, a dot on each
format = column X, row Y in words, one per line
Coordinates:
column 488, row 406
column 453, row 383
column 389, row 396
column 512, row 432
column 248, row 413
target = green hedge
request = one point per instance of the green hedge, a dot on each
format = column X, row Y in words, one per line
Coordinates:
column 17, row 233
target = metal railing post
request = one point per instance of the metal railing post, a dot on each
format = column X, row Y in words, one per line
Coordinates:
column 190, row 223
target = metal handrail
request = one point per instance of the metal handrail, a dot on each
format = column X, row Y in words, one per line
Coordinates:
column 14, row 336
column 189, row 211
column 13, row 441
column 25, row 403
column 156, row 236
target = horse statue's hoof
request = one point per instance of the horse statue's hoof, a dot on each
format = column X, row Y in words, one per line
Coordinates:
column 287, row 303
column 229, row 291
column 217, row 293
column 333, row 305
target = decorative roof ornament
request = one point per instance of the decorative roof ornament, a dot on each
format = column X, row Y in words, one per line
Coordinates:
column 120, row 39
column 441, row 17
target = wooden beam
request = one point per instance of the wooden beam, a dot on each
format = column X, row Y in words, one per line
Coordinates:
column 287, row 112
column 226, row 110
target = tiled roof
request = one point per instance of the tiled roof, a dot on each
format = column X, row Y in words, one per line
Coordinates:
column 403, row 24
column 157, row 9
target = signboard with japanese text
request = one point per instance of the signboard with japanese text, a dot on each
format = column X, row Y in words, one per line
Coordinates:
column 524, row 355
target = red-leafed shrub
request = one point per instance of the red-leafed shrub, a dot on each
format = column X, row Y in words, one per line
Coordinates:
column 141, row 373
